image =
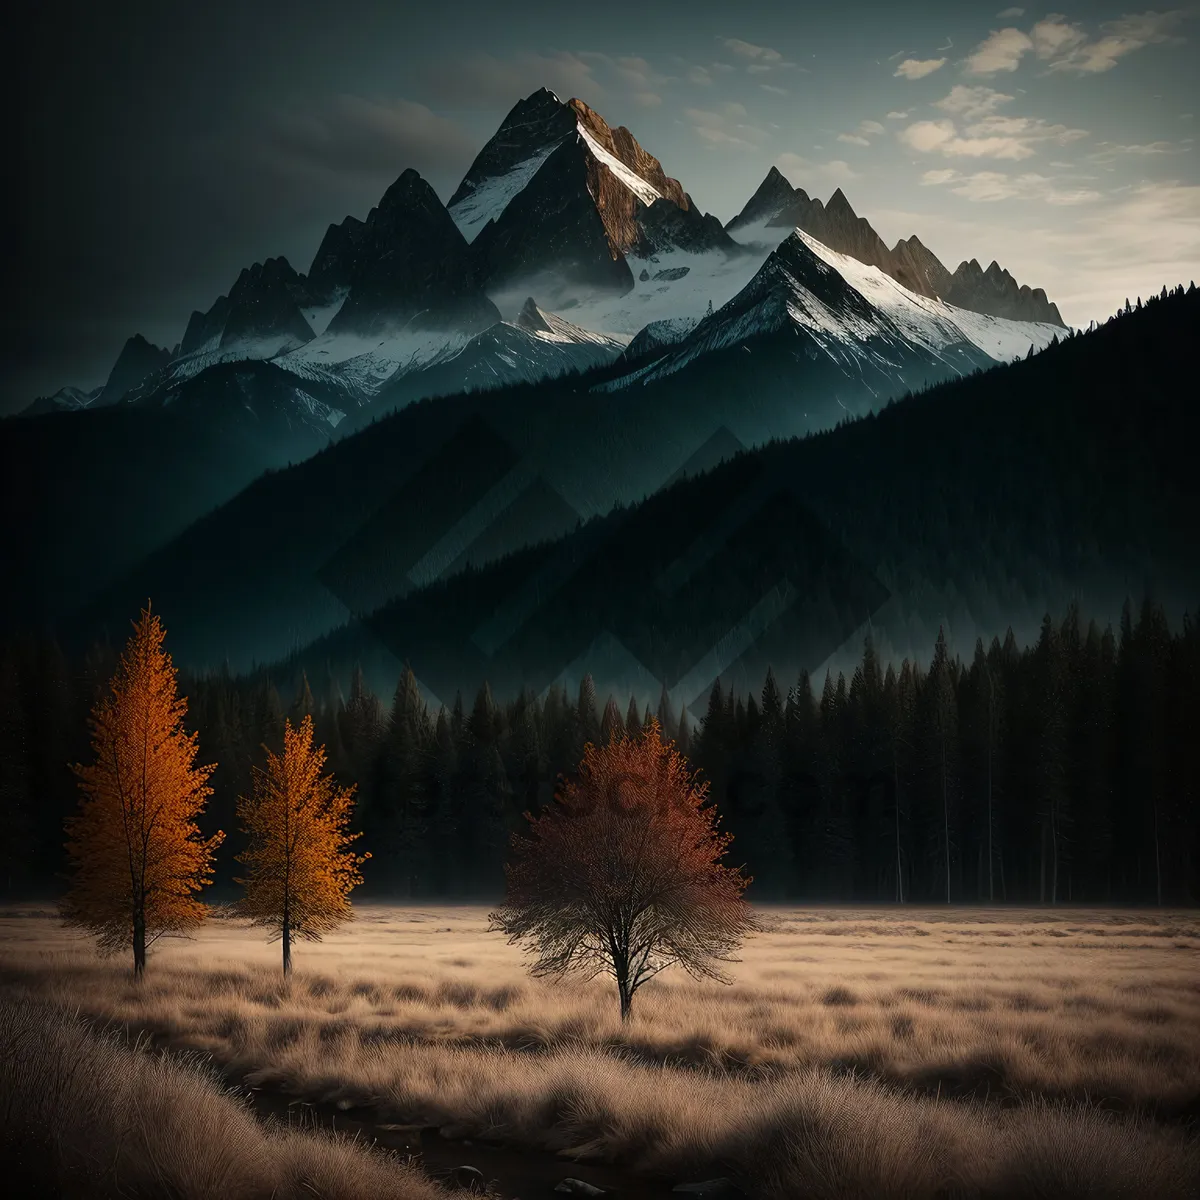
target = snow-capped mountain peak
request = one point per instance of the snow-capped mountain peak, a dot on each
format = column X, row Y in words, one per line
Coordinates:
column 850, row 312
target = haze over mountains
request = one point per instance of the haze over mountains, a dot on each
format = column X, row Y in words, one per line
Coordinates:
column 452, row 384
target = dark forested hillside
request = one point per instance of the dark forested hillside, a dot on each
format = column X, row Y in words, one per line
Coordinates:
column 86, row 495
column 1063, row 771
column 971, row 507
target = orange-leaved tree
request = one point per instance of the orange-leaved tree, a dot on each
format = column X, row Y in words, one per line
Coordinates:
column 137, row 856
column 622, row 873
column 299, row 867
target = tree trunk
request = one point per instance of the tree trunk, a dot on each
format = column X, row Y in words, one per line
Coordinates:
column 287, row 943
column 139, row 941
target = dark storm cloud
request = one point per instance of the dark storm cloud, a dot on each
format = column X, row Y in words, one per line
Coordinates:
column 367, row 136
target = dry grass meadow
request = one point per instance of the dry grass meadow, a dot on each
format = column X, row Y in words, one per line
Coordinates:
column 858, row 1053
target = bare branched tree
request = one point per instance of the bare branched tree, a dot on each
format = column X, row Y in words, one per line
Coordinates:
column 622, row 874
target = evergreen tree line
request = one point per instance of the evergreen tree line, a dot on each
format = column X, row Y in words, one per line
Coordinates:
column 1066, row 771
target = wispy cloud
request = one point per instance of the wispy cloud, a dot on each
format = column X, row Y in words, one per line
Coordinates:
column 1010, row 12
column 725, row 128
column 797, row 168
column 773, row 89
column 1109, row 152
column 990, row 137
column 763, row 55
column 1001, row 50
column 991, row 186
column 485, row 78
column 971, row 102
column 1066, row 45
column 862, row 134
column 896, row 115
column 918, row 68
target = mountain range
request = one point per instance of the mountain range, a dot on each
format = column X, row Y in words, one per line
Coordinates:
column 571, row 309
column 557, row 206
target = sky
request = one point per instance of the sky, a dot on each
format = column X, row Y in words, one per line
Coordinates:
column 161, row 146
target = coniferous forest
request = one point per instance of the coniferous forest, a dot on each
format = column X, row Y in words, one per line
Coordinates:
column 1065, row 771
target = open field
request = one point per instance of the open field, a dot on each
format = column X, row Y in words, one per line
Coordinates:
column 857, row 1053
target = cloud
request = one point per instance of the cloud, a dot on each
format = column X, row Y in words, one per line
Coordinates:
column 636, row 74
column 796, row 166
column 723, row 129
column 897, row 116
column 918, row 68
column 749, row 50
column 1065, row 45
column 758, row 68
column 898, row 54
column 1056, row 37
column 971, row 102
column 1120, row 37
column 862, row 134
column 355, row 135
column 991, row 136
column 1001, row 50
column 1088, row 258
column 1108, row 152
column 990, row 186
column 699, row 75
column 775, row 91
column 486, row 79
column 1011, row 12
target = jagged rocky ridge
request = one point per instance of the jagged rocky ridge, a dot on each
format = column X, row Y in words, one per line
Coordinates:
column 778, row 205
column 559, row 205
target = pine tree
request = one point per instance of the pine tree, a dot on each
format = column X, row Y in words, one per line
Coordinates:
column 666, row 718
column 303, row 705
column 397, row 824
column 941, row 737
column 588, row 717
column 611, row 724
column 299, row 865
column 137, row 856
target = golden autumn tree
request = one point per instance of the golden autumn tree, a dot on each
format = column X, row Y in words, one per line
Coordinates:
column 622, row 874
column 137, row 856
column 299, row 867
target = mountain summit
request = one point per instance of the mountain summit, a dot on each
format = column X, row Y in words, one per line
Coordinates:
column 558, row 189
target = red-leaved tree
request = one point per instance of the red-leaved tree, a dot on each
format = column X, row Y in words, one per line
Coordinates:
column 623, row 873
